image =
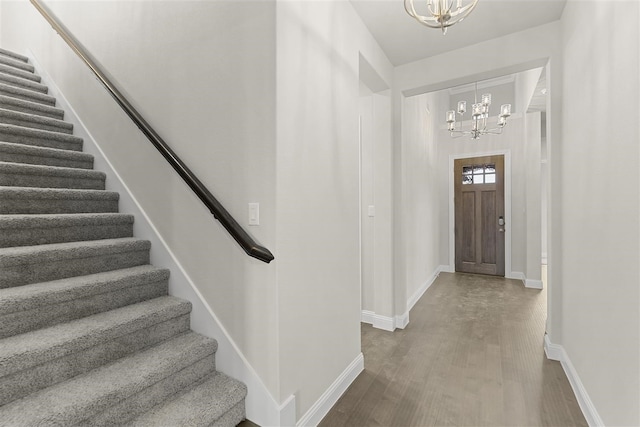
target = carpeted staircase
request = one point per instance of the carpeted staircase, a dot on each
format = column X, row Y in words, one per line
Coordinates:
column 88, row 333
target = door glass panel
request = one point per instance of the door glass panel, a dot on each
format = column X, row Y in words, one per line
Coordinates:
column 490, row 178
column 478, row 179
column 467, row 170
column 467, row 179
column 490, row 169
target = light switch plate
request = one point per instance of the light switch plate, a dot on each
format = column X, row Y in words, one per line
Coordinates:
column 254, row 213
column 371, row 211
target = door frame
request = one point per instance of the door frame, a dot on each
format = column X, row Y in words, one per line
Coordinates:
column 507, row 206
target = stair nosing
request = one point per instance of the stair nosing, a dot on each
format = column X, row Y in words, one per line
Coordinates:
column 70, row 250
column 35, row 119
column 38, row 151
column 32, row 95
column 18, row 81
column 30, row 192
column 30, row 105
column 14, row 55
column 29, row 297
column 46, row 170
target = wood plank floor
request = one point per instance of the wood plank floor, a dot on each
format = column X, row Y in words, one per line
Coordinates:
column 472, row 355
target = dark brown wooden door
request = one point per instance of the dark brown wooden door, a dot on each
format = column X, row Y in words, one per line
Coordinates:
column 479, row 212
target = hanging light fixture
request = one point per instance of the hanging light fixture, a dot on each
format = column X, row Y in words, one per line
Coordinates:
column 479, row 117
column 442, row 13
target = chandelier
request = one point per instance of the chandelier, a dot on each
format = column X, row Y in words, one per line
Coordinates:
column 479, row 117
column 442, row 14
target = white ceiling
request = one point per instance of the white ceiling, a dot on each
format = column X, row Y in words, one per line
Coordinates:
column 404, row 40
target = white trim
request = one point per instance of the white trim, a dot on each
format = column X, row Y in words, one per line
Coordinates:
column 385, row 323
column 426, row 285
column 533, row 284
column 557, row 352
column 260, row 405
column 507, row 205
column 323, row 405
column 528, row 283
column 401, row 321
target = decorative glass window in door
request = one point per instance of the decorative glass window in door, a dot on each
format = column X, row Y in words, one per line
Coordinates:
column 479, row 174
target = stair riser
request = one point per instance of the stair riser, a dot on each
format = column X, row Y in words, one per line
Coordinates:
column 27, row 95
column 49, row 181
column 56, row 206
column 28, row 236
column 135, row 405
column 20, row 73
column 30, row 108
column 20, row 384
column 16, row 63
column 40, row 269
column 45, row 316
column 44, row 206
column 45, row 160
column 20, row 82
column 36, row 125
column 70, row 143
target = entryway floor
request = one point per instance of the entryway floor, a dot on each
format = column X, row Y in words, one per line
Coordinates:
column 472, row 355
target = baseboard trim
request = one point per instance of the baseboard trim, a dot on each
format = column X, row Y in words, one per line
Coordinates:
column 426, row 285
column 402, row 320
column 533, row 284
column 557, row 352
column 528, row 283
column 323, row 405
column 378, row 321
column 260, row 405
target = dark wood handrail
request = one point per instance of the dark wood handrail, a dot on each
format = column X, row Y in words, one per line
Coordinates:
column 247, row 243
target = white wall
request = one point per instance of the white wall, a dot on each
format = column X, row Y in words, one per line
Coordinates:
column 319, row 45
column 419, row 216
column 525, row 86
column 600, row 206
column 376, row 205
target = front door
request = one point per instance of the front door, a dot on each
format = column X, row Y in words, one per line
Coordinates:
column 479, row 215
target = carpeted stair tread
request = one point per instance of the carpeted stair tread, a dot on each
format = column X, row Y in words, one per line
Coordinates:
column 30, row 349
column 35, row 121
column 24, row 265
column 27, row 95
column 23, row 106
column 75, row 400
column 41, row 229
column 13, row 55
column 202, row 405
column 30, row 200
column 13, row 80
column 26, row 175
column 28, row 297
column 40, row 305
column 29, row 154
column 38, row 137
column 20, row 73
column 16, row 63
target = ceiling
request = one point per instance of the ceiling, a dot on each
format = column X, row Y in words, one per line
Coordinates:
column 404, row 40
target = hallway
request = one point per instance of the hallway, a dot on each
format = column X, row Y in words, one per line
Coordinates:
column 471, row 355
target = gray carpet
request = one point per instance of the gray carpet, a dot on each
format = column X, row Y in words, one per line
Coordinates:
column 88, row 332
